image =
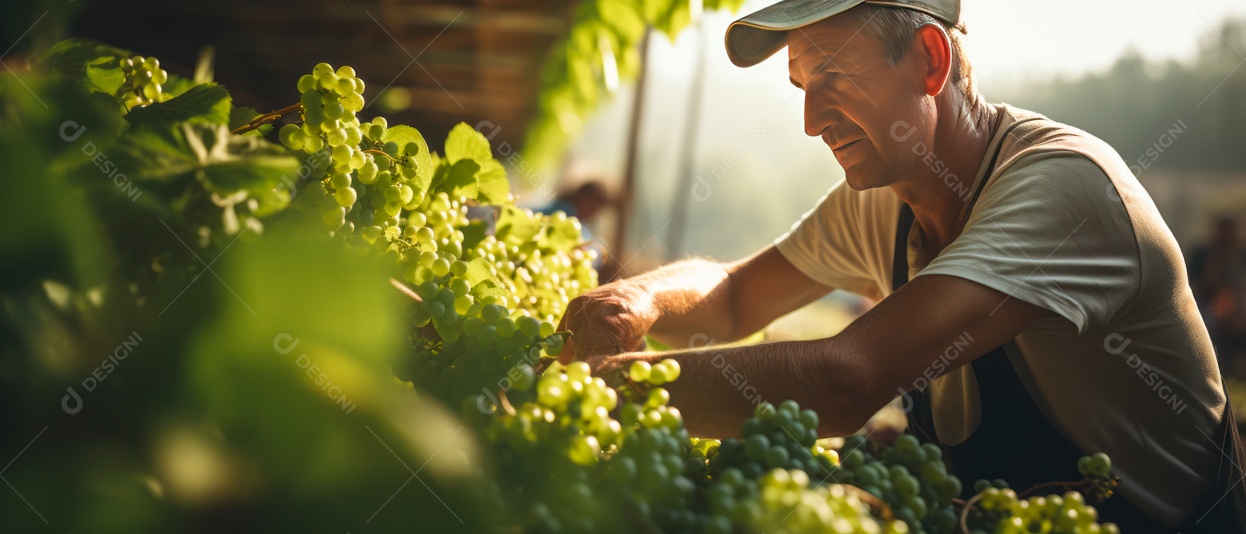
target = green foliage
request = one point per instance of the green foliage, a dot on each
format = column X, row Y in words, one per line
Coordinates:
column 203, row 104
column 601, row 48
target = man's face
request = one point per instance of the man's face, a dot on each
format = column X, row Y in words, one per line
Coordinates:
column 869, row 112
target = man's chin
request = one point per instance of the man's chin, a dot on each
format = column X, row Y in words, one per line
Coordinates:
column 860, row 181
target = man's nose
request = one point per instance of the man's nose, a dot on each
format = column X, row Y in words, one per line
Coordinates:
column 816, row 116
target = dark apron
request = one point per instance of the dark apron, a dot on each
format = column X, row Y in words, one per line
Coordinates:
column 1014, row 441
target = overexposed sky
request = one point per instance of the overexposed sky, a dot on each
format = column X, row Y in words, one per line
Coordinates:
column 1010, row 37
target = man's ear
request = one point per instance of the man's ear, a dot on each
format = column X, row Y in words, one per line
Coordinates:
column 935, row 49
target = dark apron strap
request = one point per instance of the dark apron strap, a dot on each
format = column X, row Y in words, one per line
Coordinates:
column 920, row 414
column 1224, row 507
column 1014, row 440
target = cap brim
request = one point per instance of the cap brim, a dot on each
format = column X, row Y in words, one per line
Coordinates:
column 758, row 36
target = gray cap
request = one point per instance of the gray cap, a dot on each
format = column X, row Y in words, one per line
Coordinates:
column 756, row 37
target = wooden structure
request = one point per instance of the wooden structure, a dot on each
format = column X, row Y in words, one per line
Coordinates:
column 461, row 60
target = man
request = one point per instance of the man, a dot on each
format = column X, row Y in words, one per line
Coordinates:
column 1034, row 306
column 584, row 202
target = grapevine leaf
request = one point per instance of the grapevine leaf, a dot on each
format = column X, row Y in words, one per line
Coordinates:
column 239, row 116
column 623, row 17
column 561, row 235
column 489, row 288
column 224, row 163
column 72, row 57
column 203, row 104
column 104, row 76
column 516, row 227
column 460, row 180
column 478, row 271
column 493, row 186
column 680, row 18
column 473, row 233
column 243, row 115
column 178, row 85
column 425, row 166
column 464, row 142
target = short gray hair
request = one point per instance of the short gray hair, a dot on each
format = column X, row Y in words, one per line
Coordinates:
column 896, row 27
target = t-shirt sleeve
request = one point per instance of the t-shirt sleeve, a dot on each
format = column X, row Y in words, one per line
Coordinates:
column 1051, row 231
column 832, row 243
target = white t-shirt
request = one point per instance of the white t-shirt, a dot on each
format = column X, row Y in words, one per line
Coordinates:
column 1121, row 364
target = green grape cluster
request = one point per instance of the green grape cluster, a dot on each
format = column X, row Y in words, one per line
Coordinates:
column 651, row 471
column 329, row 101
column 550, row 446
column 910, row 477
column 543, row 279
column 1095, row 465
column 143, row 81
column 568, row 465
column 431, row 234
column 785, row 501
column 1098, row 481
column 1002, row 511
column 790, row 502
column 466, row 347
column 776, row 438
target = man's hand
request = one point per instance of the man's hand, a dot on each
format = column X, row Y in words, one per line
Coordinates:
column 608, row 320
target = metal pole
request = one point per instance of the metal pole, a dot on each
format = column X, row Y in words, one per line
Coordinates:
column 627, row 193
column 687, row 157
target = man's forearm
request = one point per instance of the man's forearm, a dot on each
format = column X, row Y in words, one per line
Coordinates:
column 690, row 297
column 720, row 386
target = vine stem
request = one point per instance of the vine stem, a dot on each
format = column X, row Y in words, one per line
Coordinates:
column 883, row 508
column 266, row 118
column 1066, row 486
column 405, row 290
column 380, row 153
column 964, row 513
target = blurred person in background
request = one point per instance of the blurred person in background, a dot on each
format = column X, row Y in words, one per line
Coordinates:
column 585, row 200
column 1218, row 278
column 1034, row 306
